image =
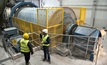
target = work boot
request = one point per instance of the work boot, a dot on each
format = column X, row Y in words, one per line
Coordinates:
column 43, row 59
column 27, row 63
column 49, row 61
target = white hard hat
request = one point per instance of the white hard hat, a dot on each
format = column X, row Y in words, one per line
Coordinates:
column 45, row 30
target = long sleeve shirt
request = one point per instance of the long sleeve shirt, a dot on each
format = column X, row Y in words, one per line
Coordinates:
column 29, row 45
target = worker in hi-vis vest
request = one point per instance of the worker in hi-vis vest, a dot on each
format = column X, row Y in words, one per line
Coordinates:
column 45, row 44
column 26, row 47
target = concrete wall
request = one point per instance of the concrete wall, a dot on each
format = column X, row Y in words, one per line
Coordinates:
column 50, row 3
column 101, row 14
column 45, row 3
column 34, row 1
column 101, row 11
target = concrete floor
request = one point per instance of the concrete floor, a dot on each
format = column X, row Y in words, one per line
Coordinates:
column 36, row 58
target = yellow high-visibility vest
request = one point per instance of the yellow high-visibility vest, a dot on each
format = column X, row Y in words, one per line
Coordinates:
column 44, row 38
column 24, row 45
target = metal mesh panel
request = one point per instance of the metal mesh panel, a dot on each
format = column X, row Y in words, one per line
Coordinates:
column 59, row 29
column 17, row 23
column 54, row 22
column 22, row 25
column 27, row 27
column 56, row 18
column 52, row 30
column 48, row 18
column 50, row 12
column 35, row 28
column 41, row 15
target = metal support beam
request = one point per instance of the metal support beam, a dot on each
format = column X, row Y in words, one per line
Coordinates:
column 19, row 5
column 94, row 12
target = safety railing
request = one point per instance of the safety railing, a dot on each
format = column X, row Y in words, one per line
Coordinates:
column 85, row 47
column 75, row 45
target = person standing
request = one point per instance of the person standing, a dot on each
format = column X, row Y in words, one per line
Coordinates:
column 26, row 47
column 45, row 44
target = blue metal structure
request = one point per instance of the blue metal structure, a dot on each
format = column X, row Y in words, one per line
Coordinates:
column 19, row 6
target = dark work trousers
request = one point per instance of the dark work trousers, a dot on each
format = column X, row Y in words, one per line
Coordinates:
column 46, row 53
column 27, row 56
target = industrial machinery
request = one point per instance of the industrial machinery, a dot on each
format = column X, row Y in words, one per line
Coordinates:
column 27, row 17
column 7, row 3
column 2, row 5
column 35, row 19
column 85, row 40
column 81, row 42
column 11, row 35
column 10, row 39
column 5, row 9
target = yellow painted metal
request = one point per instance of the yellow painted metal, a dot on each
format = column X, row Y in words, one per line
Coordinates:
column 54, row 24
column 82, row 16
column 31, row 30
column 80, row 13
column 62, row 20
column 22, row 25
column 14, row 41
column 79, row 22
column 47, row 18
